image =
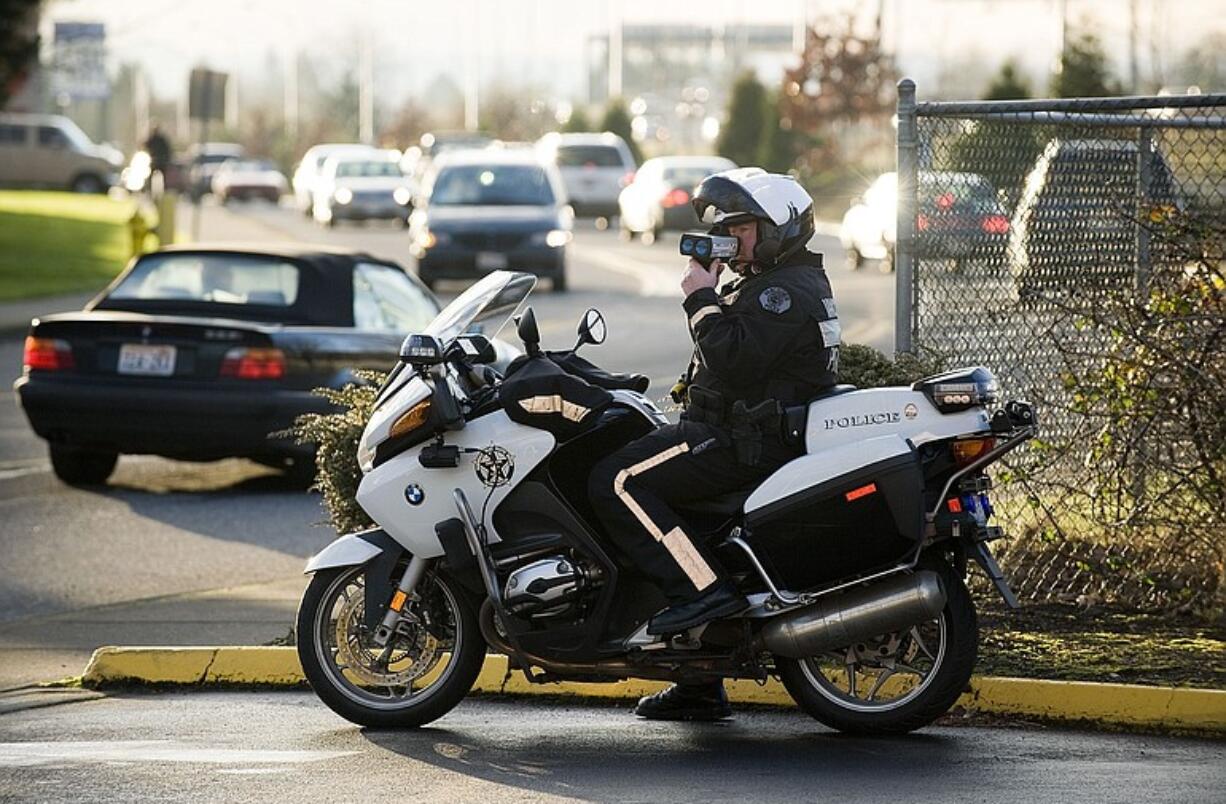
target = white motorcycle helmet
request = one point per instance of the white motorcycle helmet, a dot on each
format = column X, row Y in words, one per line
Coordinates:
column 782, row 208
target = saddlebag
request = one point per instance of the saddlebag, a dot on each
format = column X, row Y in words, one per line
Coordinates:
column 852, row 524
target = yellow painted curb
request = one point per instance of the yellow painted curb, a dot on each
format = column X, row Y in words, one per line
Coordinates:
column 1112, row 704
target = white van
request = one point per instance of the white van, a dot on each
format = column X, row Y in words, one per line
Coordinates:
column 44, row 150
column 594, row 168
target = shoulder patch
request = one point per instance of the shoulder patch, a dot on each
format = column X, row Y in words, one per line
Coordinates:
column 775, row 300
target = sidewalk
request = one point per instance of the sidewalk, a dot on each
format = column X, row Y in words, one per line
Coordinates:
column 39, row 649
column 15, row 315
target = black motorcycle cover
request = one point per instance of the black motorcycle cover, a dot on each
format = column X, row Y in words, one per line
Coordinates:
column 538, row 393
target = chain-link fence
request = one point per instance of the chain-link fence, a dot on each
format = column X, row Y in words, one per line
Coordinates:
column 1075, row 247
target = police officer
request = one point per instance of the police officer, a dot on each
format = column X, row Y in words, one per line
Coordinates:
column 765, row 341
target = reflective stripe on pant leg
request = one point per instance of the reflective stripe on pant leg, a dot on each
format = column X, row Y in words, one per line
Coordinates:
column 676, row 542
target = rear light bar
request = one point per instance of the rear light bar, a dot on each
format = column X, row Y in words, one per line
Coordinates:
column 968, row 450
column 253, row 364
column 47, row 354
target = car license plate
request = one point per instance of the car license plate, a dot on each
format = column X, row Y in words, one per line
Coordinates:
column 491, row 261
column 155, row 361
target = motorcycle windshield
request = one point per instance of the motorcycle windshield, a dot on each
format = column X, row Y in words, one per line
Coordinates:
column 497, row 296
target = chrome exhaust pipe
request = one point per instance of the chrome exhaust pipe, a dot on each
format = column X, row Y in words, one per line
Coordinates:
column 853, row 616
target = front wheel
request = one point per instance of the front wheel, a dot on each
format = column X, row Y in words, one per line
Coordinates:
column 893, row 683
column 427, row 667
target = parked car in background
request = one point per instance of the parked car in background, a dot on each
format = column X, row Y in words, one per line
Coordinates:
column 51, row 151
column 594, row 169
column 1076, row 221
column 491, row 210
column 658, row 198
column 247, row 179
column 306, row 175
column 203, row 160
column 200, row 353
column 362, row 185
column 959, row 217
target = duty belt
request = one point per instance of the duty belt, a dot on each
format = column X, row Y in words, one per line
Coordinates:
column 746, row 425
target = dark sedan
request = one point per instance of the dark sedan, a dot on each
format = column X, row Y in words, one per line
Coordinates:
column 201, row 353
column 491, row 210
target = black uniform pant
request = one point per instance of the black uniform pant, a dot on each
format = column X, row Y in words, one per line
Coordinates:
column 634, row 491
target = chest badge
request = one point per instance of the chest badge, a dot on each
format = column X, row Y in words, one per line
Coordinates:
column 775, row 300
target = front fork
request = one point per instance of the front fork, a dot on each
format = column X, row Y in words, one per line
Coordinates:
column 406, row 591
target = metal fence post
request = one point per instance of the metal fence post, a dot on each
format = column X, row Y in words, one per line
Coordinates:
column 904, row 246
column 1145, row 146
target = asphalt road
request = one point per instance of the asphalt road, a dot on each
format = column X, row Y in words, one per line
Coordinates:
column 170, row 531
column 277, row 746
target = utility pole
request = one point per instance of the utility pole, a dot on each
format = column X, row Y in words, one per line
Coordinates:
column 472, row 70
column 291, row 96
column 366, row 87
column 1134, row 72
column 615, row 49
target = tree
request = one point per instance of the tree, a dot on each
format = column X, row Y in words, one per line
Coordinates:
column 18, row 44
column 743, row 136
column 578, row 121
column 1008, row 84
column 1083, row 71
column 781, row 143
column 617, row 120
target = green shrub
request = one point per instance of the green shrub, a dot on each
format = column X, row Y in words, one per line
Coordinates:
column 336, row 436
column 865, row 367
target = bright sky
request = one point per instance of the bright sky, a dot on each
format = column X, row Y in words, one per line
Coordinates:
column 541, row 42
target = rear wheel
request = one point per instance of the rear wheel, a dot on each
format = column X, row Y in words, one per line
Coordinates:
column 854, row 261
column 87, row 183
column 428, row 666
column 78, row 466
column 892, row 683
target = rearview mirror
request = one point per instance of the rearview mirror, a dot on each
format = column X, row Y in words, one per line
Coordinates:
column 525, row 326
column 592, row 328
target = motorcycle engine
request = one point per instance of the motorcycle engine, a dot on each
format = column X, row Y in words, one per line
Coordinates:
column 547, row 588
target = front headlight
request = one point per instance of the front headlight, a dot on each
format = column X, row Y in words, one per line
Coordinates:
column 554, row 238
column 429, row 239
column 402, row 196
column 343, row 196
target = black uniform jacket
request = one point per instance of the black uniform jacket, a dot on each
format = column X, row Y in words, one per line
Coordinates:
column 773, row 335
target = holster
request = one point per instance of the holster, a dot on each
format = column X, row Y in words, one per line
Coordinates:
column 747, row 426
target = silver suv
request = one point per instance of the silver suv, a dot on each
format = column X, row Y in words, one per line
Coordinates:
column 44, row 150
column 594, row 168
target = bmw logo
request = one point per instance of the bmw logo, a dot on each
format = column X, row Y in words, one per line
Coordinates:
column 413, row 494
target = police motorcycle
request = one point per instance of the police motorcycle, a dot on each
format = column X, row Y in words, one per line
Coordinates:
column 852, row 556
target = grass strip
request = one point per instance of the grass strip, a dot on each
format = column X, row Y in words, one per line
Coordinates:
column 53, row 243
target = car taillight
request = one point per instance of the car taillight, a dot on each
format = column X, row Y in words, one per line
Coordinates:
column 921, row 222
column 47, row 354
column 675, row 198
column 969, row 450
column 995, row 224
column 253, row 364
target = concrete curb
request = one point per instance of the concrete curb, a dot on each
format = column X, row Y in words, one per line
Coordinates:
column 1126, row 705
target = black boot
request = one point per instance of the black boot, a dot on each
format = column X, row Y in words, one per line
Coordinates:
column 692, row 701
column 720, row 601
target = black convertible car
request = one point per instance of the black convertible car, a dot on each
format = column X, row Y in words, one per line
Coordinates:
column 200, row 353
